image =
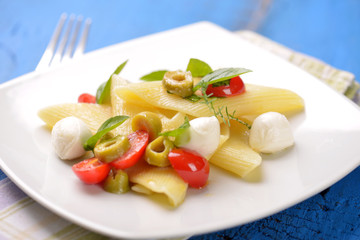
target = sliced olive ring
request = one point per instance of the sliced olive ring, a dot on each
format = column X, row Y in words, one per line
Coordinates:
column 117, row 182
column 108, row 150
column 149, row 122
column 107, row 136
column 179, row 83
column 157, row 152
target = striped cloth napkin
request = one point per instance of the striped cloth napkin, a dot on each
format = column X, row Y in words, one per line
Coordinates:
column 342, row 81
column 23, row 218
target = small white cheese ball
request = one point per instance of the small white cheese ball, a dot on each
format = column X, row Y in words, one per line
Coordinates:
column 68, row 136
column 270, row 132
column 204, row 136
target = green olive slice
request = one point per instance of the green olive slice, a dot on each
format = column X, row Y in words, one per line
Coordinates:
column 179, row 83
column 157, row 152
column 110, row 149
column 117, row 182
column 149, row 122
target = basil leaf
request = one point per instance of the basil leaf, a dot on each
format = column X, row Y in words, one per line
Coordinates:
column 178, row 131
column 220, row 75
column 154, row 76
column 193, row 98
column 222, row 83
column 198, row 68
column 106, row 127
column 100, row 93
column 103, row 92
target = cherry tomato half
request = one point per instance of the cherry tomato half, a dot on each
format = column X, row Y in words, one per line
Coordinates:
column 86, row 98
column 192, row 167
column 235, row 87
column 91, row 171
column 138, row 142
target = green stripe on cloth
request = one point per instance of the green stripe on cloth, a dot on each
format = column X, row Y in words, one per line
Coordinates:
column 342, row 81
column 75, row 232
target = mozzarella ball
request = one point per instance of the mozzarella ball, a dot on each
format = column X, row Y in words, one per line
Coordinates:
column 270, row 133
column 204, row 136
column 68, row 137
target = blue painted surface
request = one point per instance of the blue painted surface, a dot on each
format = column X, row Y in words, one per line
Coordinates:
column 326, row 29
column 2, row 175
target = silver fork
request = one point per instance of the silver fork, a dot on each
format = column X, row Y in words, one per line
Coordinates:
column 63, row 41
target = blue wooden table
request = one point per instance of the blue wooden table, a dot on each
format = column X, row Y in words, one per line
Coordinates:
column 326, row 29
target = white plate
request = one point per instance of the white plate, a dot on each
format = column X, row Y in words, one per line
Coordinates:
column 327, row 135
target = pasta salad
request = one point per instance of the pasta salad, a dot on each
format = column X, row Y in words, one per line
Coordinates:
column 161, row 135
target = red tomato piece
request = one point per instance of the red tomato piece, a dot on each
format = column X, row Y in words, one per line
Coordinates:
column 86, row 98
column 138, row 142
column 192, row 167
column 235, row 87
column 91, row 171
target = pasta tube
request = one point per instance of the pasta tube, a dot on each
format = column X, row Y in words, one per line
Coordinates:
column 235, row 155
column 158, row 180
column 93, row 115
column 256, row 100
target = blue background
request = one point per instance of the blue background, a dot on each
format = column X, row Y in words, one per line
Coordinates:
column 326, row 29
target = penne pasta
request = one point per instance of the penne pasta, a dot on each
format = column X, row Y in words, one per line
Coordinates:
column 149, row 179
column 256, row 100
column 92, row 114
column 169, row 119
column 235, row 155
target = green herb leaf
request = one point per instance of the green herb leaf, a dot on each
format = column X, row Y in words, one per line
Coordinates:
column 194, row 98
column 220, row 75
column 103, row 92
column 232, row 116
column 222, row 83
column 198, row 68
column 100, row 93
column 106, row 127
column 180, row 130
column 154, row 76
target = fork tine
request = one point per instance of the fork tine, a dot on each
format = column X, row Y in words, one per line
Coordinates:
column 49, row 51
column 59, row 51
column 71, row 46
column 62, row 44
column 82, row 42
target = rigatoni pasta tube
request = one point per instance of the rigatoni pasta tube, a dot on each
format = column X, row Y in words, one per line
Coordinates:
column 159, row 180
column 92, row 114
column 169, row 119
column 235, row 155
column 256, row 100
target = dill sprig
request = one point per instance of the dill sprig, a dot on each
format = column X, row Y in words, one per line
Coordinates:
column 209, row 100
column 232, row 117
